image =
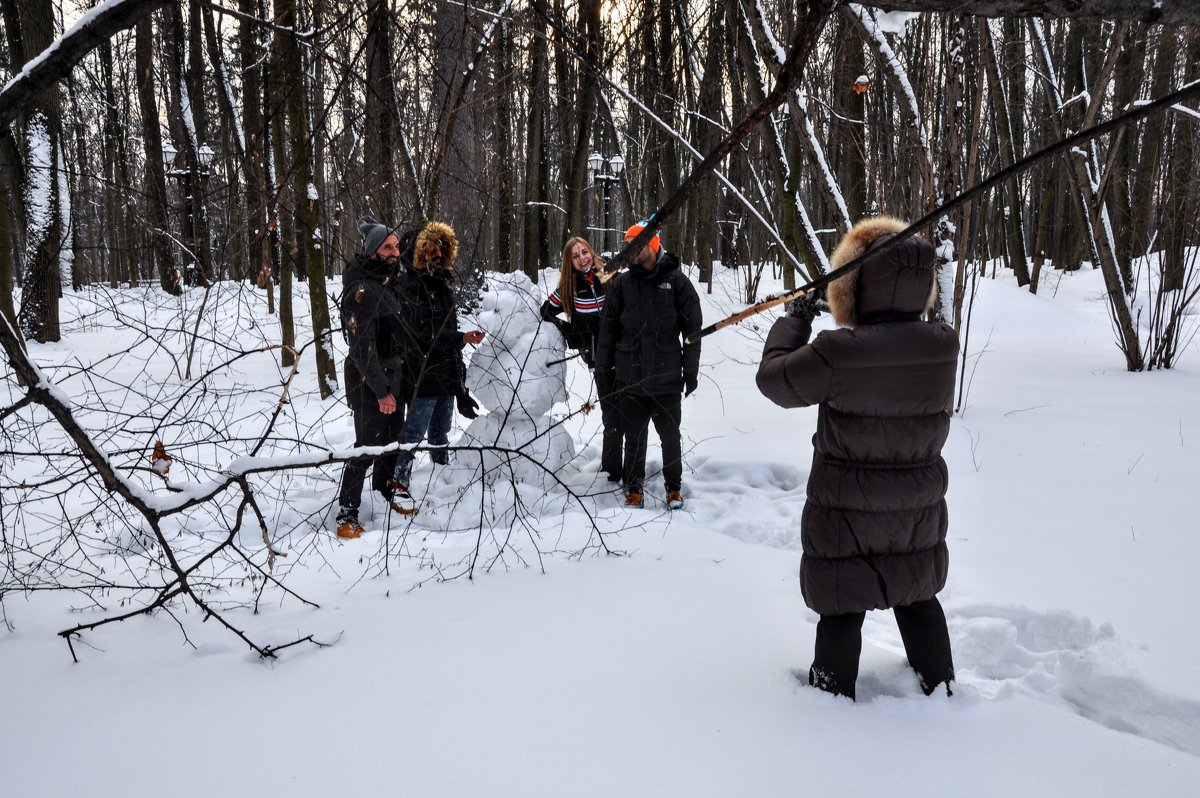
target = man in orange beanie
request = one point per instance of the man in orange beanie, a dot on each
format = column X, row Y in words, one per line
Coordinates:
column 655, row 243
column 649, row 311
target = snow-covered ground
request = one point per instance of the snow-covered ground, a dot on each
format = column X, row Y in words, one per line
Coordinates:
column 668, row 667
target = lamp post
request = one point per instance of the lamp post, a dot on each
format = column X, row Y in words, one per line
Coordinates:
column 183, row 174
column 606, row 172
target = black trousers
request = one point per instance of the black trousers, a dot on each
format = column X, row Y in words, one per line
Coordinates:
column 613, row 437
column 371, row 428
column 926, row 642
column 636, row 413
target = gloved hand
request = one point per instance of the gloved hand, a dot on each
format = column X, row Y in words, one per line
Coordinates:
column 689, row 385
column 467, row 406
column 809, row 306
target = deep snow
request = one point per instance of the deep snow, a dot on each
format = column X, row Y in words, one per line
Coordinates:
column 669, row 668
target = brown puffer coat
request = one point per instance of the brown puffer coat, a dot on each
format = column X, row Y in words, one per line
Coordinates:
column 874, row 524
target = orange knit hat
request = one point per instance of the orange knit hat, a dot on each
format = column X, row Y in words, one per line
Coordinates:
column 632, row 233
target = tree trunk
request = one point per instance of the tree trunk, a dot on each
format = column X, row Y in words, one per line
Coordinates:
column 506, row 194
column 535, row 248
column 115, row 189
column 381, row 115
column 236, row 220
column 156, row 180
column 584, row 115
column 1003, row 113
column 281, row 226
column 708, row 135
column 10, row 183
column 310, row 256
column 850, row 110
column 1181, row 205
column 1143, row 220
column 250, row 48
column 41, row 150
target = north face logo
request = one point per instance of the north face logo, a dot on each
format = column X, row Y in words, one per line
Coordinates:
column 664, row 286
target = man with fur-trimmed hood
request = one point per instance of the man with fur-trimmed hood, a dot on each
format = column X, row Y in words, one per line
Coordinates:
column 875, row 519
column 433, row 366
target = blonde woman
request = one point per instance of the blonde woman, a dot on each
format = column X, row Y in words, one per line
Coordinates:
column 579, row 298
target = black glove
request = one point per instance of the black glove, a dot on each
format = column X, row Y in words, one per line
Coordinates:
column 689, row 385
column 467, row 406
column 809, row 306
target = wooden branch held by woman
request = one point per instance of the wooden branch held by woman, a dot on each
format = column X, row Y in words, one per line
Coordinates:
column 1121, row 120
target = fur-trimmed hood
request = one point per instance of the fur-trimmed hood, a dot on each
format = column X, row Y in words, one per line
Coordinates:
column 416, row 246
column 896, row 286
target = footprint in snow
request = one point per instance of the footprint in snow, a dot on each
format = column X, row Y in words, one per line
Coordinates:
column 1065, row 659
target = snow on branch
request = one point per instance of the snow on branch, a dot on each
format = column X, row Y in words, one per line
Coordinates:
column 1166, row 12
column 798, row 103
column 57, row 60
column 899, row 79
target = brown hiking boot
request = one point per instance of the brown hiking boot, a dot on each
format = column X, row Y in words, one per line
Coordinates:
column 635, row 500
column 675, row 500
column 350, row 529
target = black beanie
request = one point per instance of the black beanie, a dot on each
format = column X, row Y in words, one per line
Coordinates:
column 373, row 235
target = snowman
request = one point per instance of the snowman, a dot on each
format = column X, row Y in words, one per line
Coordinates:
column 523, row 450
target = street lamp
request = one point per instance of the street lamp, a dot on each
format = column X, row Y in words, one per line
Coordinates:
column 183, row 174
column 606, row 177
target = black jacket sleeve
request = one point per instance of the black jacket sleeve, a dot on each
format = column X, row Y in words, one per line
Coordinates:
column 549, row 311
column 610, row 325
column 362, row 309
column 691, row 319
column 792, row 372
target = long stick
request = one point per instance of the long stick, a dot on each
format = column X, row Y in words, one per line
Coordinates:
column 1190, row 90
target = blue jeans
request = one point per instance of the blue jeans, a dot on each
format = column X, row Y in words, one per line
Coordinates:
column 427, row 415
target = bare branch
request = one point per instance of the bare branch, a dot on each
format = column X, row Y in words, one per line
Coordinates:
column 1166, row 12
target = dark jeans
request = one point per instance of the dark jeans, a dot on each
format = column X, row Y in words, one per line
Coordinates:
column 612, row 437
column 371, row 428
column 636, row 413
column 926, row 642
column 427, row 415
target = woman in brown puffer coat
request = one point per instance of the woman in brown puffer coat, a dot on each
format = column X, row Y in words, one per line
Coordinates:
column 874, row 523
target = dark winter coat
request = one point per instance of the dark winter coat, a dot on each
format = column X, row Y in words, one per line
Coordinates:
column 647, row 313
column 582, row 327
column 875, row 520
column 370, row 314
column 433, row 344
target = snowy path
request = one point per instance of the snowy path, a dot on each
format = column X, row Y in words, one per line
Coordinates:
column 1058, row 658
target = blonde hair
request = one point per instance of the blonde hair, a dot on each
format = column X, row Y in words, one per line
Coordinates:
column 566, row 276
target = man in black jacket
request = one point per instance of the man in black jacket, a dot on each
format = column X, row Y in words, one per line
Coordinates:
column 650, row 309
column 374, row 379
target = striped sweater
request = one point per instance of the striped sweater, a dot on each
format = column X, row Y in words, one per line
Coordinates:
column 583, row 326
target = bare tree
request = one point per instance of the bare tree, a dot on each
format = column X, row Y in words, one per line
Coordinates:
column 30, row 28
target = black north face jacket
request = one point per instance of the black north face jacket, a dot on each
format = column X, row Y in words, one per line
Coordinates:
column 647, row 314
